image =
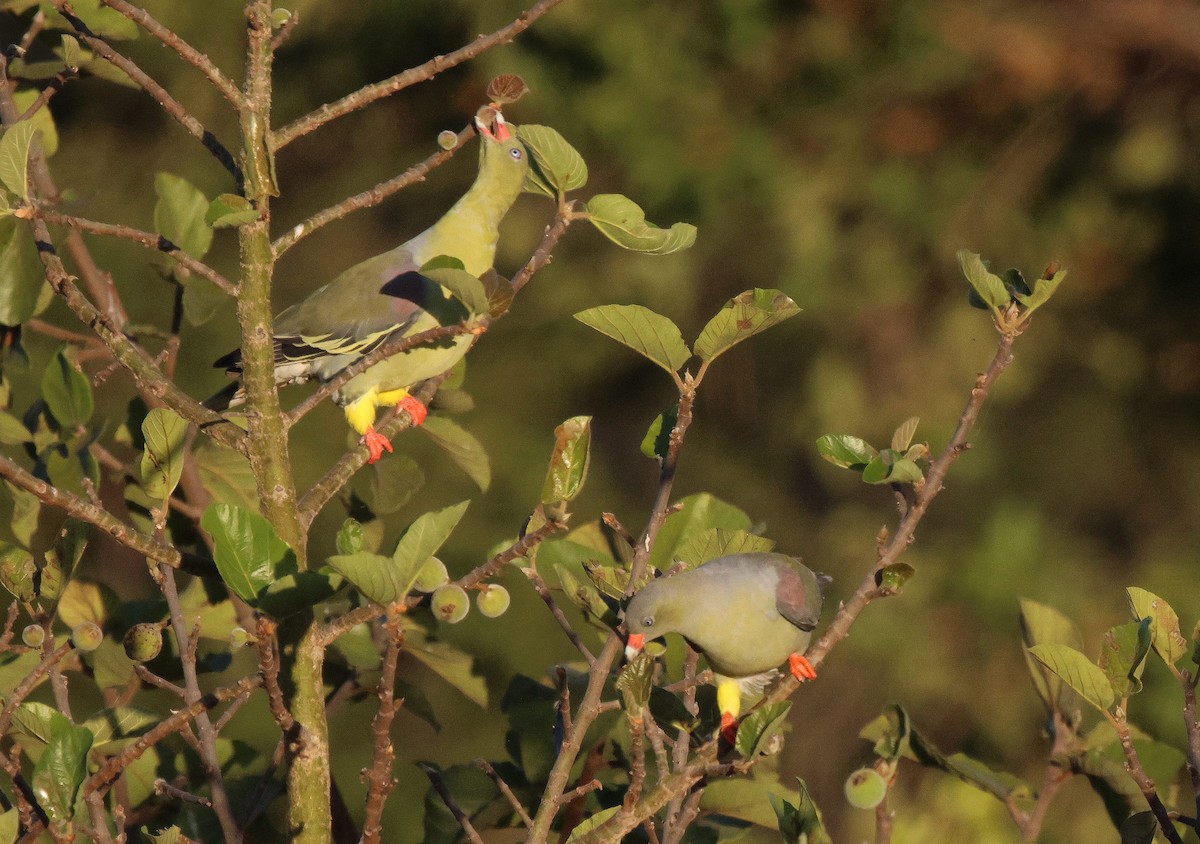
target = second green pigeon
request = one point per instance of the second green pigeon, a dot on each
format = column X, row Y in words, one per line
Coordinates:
column 747, row 613
column 386, row 297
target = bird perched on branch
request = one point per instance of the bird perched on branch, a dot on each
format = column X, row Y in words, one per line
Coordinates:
column 747, row 613
column 386, row 297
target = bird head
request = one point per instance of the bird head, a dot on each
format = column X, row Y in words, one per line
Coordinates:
column 650, row 615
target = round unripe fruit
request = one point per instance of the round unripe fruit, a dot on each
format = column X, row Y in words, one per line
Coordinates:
column 143, row 642
column 432, row 575
column 87, row 636
column 493, row 600
column 865, row 788
column 450, row 603
column 33, row 635
column 447, row 139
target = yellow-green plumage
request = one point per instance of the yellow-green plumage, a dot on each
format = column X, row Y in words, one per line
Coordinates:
column 747, row 613
column 385, row 297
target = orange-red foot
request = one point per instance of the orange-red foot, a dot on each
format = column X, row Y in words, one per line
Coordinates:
column 376, row 443
column 801, row 668
column 415, row 410
column 729, row 728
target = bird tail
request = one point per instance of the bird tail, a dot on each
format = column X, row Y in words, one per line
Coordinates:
column 229, row 396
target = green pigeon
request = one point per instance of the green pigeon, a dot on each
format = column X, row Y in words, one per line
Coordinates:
column 386, row 297
column 747, row 613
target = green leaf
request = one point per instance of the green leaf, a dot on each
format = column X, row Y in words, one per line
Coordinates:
column 894, row 577
column 1164, row 623
column 1043, row 289
column 622, row 221
column 10, row 826
column 1077, row 671
column 63, row 557
column 393, row 482
column 85, row 600
column 371, row 574
column 757, row 728
column 248, row 552
column 1123, row 656
column 451, row 664
column 462, row 447
column 748, row 799
column 72, row 54
column 1042, row 624
column 14, row 157
column 720, row 542
column 170, row 835
column 555, row 166
column 13, row 431
column 889, row 733
column 698, row 513
column 649, row 334
column 742, row 317
column 26, row 511
column 164, row 432
column 111, row 666
column 635, row 682
column 22, row 278
column 179, row 214
column 658, row 438
column 595, row 820
column 568, row 467
column 36, row 720
column 800, row 823
column 300, row 591
column 67, row 391
column 109, row 727
column 423, row 538
column 61, row 769
column 846, row 451
column 1139, row 828
column 17, row 572
column 465, row 287
column 989, row 286
column 903, row 435
column 228, row 210
column 226, row 474
column 202, row 300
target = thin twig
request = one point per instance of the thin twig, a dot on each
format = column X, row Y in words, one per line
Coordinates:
column 521, row 548
column 1191, row 724
column 379, row 776
column 371, row 197
column 1133, row 765
column 148, row 239
column 159, row 94
column 185, row 50
column 29, row 682
column 439, row 785
column 369, row 94
column 486, row 767
column 161, row 786
column 148, row 676
column 539, row 586
column 268, row 666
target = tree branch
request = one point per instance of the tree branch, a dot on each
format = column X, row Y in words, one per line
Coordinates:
column 369, row 94
column 159, row 94
column 379, row 776
column 369, row 198
column 185, row 50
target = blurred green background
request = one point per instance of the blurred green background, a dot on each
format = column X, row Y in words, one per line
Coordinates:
column 839, row 151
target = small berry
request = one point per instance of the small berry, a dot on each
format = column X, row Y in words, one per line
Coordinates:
column 447, row 139
column 432, row 575
column 87, row 636
column 865, row 788
column 493, row 600
column 450, row 603
column 33, row 635
column 143, row 642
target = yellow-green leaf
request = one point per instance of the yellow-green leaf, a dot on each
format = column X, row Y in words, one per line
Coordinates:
column 741, row 318
column 555, row 166
column 164, row 431
column 1078, row 672
column 641, row 329
column 622, row 221
column 1164, row 623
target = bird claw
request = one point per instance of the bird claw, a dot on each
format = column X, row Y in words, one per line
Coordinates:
column 415, row 410
column 376, row 443
column 801, row 668
column 729, row 728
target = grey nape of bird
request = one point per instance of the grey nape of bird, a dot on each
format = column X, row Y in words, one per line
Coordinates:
column 386, row 297
column 747, row 613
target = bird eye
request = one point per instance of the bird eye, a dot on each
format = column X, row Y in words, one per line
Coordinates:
column 515, row 153
column 648, row 621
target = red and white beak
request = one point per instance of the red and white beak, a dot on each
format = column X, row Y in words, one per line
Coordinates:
column 634, row 645
column 499, row 132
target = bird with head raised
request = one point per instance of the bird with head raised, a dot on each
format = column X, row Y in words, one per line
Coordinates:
column 386, row 297
column 747, row 613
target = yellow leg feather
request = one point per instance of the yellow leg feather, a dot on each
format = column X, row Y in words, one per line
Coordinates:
column 361, row 413
column 390, row 397
column 729, row 698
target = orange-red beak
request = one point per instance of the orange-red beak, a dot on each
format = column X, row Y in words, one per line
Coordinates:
column 634, row 645
column 499, row 132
